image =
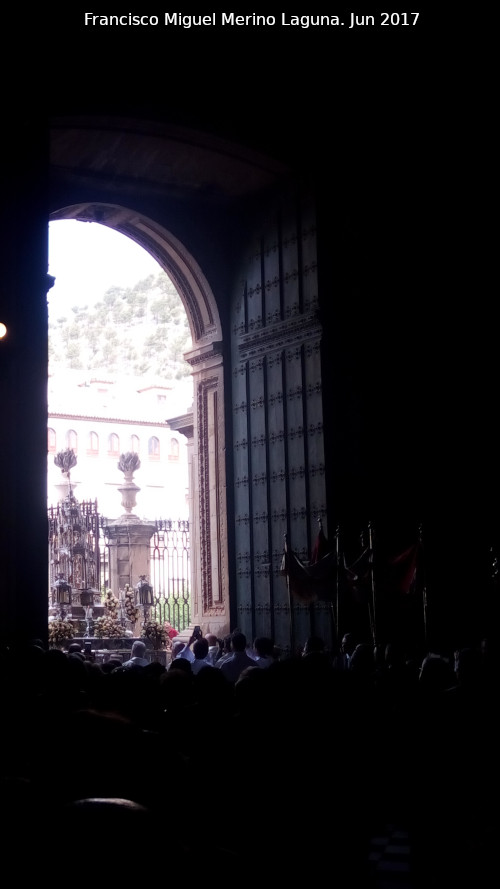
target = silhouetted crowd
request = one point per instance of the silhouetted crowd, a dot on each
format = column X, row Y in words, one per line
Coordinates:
column 285, row 767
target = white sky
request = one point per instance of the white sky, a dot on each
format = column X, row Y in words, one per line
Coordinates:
column 87, row 258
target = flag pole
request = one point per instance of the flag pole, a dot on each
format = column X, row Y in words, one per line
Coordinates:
column 312, row 613
column 333, row 605
column 292, row 633
column 337, row 584
column 424, row 589
column 372, row 579
column 369, row 604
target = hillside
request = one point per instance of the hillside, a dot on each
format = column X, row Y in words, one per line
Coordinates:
column 135, row 331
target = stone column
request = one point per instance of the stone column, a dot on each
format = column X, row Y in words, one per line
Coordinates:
column 129, row 553
column 129, row 537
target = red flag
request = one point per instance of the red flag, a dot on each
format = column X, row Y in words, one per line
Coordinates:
column 359, row 576
column 310, row 582
column 401, row 570
column 298, row 579
column 321, row 546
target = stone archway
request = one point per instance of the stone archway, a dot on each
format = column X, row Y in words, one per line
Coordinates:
column 210, row 583
column 250, row 221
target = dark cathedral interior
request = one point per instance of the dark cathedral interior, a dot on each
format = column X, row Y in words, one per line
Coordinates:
column 320, row 180
column 407, row 364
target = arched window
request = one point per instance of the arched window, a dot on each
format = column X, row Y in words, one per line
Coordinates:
column 93, row 447
column 114, row 444
column 154, row 448
column 174, row 449
column 72, row 440
column 134, row 444
column 51, row 440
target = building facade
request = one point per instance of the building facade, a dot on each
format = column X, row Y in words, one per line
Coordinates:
column 102, row 418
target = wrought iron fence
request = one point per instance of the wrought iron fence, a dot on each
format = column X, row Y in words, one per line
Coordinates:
column 170, row 571
column 73, row 532
column 79, row 555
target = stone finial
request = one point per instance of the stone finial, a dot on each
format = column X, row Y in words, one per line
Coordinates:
column 65, row 460
column 129, row 462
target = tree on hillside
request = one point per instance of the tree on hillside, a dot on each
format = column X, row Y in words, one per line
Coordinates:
column 135, row 330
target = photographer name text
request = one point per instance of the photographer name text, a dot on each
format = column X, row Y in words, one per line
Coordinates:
column 254, row 20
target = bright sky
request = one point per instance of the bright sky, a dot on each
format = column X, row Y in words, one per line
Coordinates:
column 87, row 258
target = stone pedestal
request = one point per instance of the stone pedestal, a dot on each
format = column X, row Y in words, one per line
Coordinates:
column 129, row 552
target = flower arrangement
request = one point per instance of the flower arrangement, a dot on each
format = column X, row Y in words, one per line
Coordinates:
column 107, row 626
column 170, row 630
column 111, row 603
column 131, row 609
column 154, row 631
column 60, row 630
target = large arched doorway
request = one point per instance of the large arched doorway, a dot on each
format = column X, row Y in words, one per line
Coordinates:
column 236, row 232
column 210, row 605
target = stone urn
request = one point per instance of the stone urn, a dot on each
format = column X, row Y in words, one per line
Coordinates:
column 128, row 463
column 66, row 461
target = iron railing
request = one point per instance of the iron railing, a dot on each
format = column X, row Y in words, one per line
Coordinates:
column 74, row 534
column 170, row 571
column 79, row 551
